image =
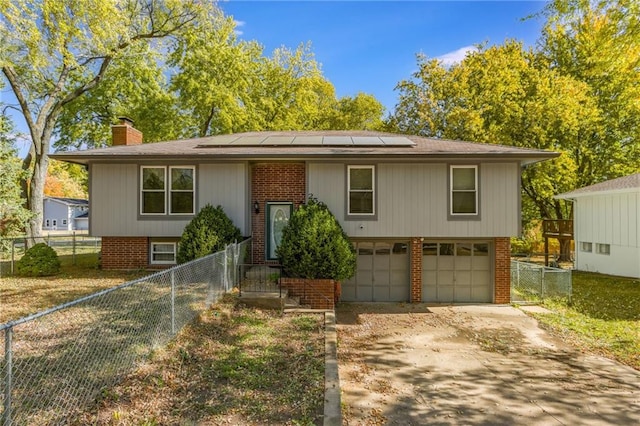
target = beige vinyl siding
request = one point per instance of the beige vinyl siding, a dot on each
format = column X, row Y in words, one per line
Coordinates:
column 412, row 200
column 115, row 199
column 226, row 184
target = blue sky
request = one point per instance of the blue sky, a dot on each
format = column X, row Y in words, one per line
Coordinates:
column 370, row 46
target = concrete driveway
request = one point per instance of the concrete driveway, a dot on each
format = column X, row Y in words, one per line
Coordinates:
column 414, row 364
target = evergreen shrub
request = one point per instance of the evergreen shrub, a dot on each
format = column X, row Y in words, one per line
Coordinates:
column 314, row 245
column 38, row 261
column 208, row 232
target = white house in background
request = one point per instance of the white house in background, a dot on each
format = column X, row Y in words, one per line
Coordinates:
column 65, row 214
column 607, row 226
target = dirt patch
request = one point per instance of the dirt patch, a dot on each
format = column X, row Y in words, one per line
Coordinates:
column 404, row 364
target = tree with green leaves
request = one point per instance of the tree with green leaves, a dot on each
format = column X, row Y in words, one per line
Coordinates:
column 55, row 51
column 13, row 215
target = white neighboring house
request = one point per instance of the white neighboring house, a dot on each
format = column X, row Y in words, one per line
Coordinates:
column 607, row 226
column 65, row 214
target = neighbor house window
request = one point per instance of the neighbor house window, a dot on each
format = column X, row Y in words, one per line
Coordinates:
column 361, row 189
column 64, row 221
column 586, row 247
column 163, row 253
column 167, row 188
column 603, row 249
column 463, row 198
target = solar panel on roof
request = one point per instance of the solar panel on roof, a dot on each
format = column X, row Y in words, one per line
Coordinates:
column 249, row 140
column 278, row 140
column 337, row 140
column 305, row 140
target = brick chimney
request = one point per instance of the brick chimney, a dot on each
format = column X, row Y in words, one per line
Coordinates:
column 124, row 133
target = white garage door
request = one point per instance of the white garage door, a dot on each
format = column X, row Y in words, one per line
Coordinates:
column 382, row 273
column 456, row 271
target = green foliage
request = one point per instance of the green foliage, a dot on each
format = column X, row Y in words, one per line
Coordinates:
column 208, row 232
column 39, row 261
column 13, row 215
column 575, row 93
column 314, row 245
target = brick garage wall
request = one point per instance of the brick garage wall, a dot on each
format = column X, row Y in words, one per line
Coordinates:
column 284, row 182
column 125, row 252
column 416, row 270
column 503, row 270
column 319, row 294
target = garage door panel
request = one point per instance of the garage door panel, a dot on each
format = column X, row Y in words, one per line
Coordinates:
column 481, row 294
column 445, row 278
column 445, row 293
column 382, row 272
column 457, row 271
column 463, row 278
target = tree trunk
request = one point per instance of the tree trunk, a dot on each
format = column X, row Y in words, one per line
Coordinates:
column 36, row 199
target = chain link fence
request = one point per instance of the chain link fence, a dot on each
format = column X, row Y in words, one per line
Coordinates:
column 71, row 245
column 56, row 362
column 533, row 283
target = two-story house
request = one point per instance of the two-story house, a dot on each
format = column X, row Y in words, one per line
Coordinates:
column 430, row 219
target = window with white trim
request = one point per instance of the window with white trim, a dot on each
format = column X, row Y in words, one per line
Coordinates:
column 603, row 249
column 163, row 253
column 361, row 190
column 586, row 247
column 64, row 221
column 463, row 183
column 167, row 189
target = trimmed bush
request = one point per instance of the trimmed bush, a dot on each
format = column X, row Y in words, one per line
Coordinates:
column 314, row 245
column 39, row 261
column 208, row 232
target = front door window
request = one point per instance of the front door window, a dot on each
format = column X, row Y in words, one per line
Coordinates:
column 278, row 215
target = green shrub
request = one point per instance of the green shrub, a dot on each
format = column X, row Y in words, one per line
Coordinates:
column 39, row 261
column 314, row 245
column 208, row 232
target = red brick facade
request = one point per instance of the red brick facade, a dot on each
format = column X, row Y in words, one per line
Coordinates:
column 125, row 252
column 319, row 294
column 502, row 270
column 416, row 270
column 285, row 182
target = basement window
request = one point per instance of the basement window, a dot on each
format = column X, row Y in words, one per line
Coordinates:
column 603, row 249
column 586, row 247
column 163, row 253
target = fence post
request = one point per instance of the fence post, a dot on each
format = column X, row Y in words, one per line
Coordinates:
column 73, row 249
column 8, row 376
column 13, row 254
column 224, row 270
column 173, row 302
column 542, row 283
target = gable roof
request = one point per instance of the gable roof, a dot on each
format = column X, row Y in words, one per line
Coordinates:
column 307, row 144
column 623, row 184
column 70, row 201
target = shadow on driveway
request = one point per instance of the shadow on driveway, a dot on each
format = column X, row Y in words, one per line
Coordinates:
column 413, row 364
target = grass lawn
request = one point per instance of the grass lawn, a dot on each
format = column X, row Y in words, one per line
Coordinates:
column 603, row 317
column 233, row 365
column 21, row 296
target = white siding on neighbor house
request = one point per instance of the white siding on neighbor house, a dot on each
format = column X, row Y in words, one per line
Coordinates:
column 612, row 219
column 55, row 210
column 115, row 199
column 411, row 200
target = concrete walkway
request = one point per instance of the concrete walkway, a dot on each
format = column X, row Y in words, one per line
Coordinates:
column 407, row 364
